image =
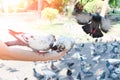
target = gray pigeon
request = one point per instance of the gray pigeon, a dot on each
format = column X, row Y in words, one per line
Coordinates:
column 93, row 24
column 96, row 26
column 102, row 77
column 69, row 75
column 63, row 43
column 79, row 76
column 37, row 75
column 54, row 68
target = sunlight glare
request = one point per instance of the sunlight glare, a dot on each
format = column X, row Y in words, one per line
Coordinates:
column 11, row 2
column 11, row 5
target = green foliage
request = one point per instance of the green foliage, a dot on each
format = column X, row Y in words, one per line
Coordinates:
column 93, row 6
column 114, row 3
column 84, row 2
column 49, row 13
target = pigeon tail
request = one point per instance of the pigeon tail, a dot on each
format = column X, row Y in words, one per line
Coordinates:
column 15, row 35
column 14, row 32
column 97, row 34
column 106, row 24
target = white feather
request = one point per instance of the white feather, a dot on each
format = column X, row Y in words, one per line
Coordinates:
column 39, row 42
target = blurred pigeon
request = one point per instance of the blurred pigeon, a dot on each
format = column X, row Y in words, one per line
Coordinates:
column 25, row 78
column 100, row 48
column 96, row 26
column 48, row 73
column 44, row 69
column 96, row 58
column 2, row 65
column 79, row 47
column 102, row 77
column 88, row 74
column 117, row 70
column 116, row 49
column 85, row 67
column 12, row 69
column 112, row 61
column 54, row 68
column 37, row 42
column 109, row 66
column 69, row 75
column 37, row 74
column 63, row 43
column 69, row 72
column 70, row 65
column 93, row 24
column 79, row 76
column 81, row 59
column 114, row 76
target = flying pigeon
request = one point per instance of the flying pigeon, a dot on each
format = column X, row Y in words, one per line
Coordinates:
column 37, row 42
column 96, row 26
column 63, row 43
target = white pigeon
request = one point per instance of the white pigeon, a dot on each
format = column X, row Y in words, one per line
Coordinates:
column 37, row 42
column 63, row 43
column 112, row 61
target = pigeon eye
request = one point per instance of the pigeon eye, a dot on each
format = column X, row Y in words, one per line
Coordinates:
column 26, row 38
column 31, row 36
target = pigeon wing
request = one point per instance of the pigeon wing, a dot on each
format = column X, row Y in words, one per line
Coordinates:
column 105, row 25
column 39, row 43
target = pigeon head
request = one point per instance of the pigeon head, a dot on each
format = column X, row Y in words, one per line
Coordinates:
column 61, row 47
column 96, row 17
column 58, row 47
